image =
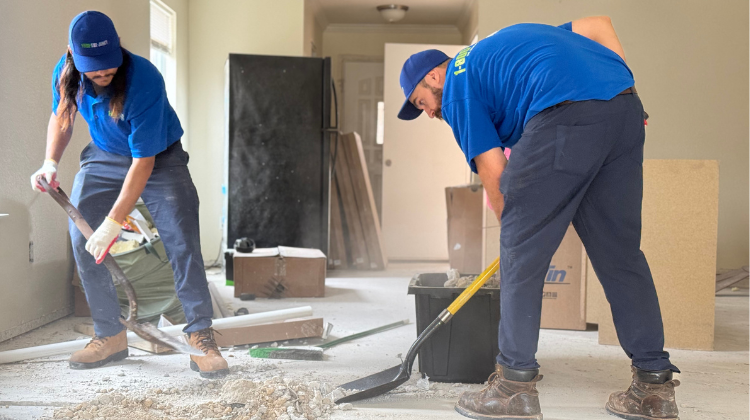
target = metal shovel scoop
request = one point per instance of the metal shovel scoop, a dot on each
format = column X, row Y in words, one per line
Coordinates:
column 382, row 382
column 146, row 331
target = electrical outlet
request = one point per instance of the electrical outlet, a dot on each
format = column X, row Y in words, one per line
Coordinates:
column 31, row 251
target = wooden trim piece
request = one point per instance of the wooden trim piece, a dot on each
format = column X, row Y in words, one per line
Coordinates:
column 264, row 333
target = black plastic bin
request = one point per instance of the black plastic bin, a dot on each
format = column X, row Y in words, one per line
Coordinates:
column 464, row 350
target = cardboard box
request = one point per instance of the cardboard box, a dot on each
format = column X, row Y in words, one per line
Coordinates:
column 679, row 236
column 474, row 242
column 465, row 214
column 302, row 272
column 564, row 303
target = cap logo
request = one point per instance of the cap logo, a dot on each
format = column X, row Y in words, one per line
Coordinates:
column 95, row 44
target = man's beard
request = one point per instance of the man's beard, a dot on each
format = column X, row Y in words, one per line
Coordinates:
column 438, row 94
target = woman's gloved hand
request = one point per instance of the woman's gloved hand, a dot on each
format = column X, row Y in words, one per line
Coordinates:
column 49, row 171
column 103, row 238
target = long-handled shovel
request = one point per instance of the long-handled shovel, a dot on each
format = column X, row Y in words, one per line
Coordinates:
column 145, row 330
column 382, row 382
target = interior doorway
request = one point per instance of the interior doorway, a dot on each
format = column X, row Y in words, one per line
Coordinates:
column 362, row 91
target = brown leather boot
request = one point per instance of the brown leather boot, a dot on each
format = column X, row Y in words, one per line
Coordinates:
column 503, row 398
column 212, row 365
column 650, row 397
column 100, row 351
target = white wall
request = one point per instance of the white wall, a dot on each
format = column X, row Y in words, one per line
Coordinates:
column 341, row 42
column 217, row 28
column 32, row 40
column 690, row 61
column 425, row 160
column 469, row 22
column 367, row 43
column 314, row 26
column 182, row 48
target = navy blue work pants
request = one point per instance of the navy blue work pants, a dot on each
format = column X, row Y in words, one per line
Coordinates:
column 172, row 200
column 580, row 162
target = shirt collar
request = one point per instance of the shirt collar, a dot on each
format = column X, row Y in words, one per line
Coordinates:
column 88, row 89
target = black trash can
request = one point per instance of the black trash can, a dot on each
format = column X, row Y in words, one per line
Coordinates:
column 464, row 350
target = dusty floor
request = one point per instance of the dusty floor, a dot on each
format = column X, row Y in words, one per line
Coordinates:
column 579, row 373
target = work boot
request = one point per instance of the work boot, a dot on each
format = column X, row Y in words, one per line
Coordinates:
column 100, row 351
column 212, row 365
column 510, row 394
column 650, row 397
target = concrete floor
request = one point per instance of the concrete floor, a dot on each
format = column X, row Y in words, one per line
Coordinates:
column 579, row 373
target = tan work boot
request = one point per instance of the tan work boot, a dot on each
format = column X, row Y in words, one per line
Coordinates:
column 650, row 397
column 100, row 351
column 212, row 365
column 504, row 398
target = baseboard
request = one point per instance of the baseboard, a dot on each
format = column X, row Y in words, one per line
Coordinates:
column 36, row 323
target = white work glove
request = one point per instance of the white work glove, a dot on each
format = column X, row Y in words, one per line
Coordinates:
column 49, row 171
column 103, row 238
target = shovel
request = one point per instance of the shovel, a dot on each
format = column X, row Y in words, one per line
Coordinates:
column 382, row 382
column 146, row 331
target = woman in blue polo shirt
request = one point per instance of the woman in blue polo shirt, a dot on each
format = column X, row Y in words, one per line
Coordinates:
column 135, row 152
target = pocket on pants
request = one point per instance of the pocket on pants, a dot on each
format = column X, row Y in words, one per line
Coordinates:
column 173, row 156
column 579, row 148
column 85, row 153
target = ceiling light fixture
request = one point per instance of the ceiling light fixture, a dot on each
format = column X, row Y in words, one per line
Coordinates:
column 392, row 12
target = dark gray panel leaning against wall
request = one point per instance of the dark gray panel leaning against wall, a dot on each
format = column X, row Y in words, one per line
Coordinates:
column 278, row 152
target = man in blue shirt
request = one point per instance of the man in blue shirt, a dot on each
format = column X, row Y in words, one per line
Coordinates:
column 135, row 152
column 564, row 101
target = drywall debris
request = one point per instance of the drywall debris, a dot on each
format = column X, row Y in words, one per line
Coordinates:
column 424, row 383
column 276, row 398
column 455, row 280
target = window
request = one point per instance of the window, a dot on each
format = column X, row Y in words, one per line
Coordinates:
column 380, row 123
column 163, row 22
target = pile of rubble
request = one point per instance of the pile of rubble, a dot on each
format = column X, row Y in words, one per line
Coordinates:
column 239, row 399
column 456, row 280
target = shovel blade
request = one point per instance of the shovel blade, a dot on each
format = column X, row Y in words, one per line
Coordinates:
column 375, row 384
column 150, row 333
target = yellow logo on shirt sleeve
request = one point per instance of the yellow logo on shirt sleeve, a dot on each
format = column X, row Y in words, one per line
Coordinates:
column 460, row 60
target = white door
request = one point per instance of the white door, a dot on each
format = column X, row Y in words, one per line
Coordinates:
column 363, row 89
column 420, row 158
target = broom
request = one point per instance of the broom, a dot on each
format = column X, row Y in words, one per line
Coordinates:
column 315, row 352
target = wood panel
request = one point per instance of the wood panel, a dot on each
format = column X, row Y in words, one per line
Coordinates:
column 356, row 243
column 337, row 255
column 365, row 201
column 680, row 222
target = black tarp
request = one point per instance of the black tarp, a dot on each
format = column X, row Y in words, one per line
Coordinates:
column 278, row 173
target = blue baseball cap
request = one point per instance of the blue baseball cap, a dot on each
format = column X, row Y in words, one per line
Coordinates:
column 94, row 42
column 414, row 70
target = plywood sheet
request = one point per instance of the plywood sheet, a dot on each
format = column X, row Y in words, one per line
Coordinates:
column 680, row 219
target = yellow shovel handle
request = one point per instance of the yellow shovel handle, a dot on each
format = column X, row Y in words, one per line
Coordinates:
column 473, row 287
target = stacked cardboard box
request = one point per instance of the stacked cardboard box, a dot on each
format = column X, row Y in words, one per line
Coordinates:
column 474, row 242
column 284, row 271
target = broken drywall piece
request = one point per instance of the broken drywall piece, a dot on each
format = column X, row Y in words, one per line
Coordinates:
column 67, row 347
